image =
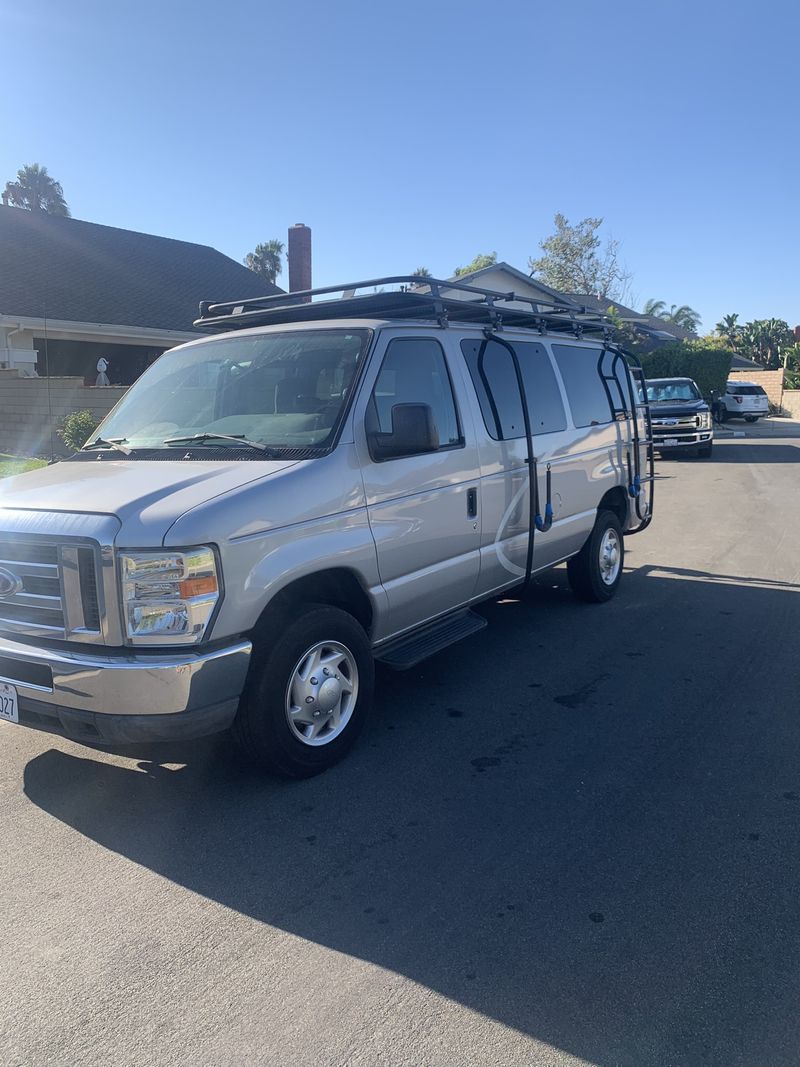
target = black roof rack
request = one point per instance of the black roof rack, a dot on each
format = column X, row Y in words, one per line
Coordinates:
column 417, row 298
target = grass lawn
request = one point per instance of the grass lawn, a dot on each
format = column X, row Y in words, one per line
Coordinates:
column 15, row 465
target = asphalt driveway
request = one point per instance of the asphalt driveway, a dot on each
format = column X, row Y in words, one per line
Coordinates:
column 571, row 839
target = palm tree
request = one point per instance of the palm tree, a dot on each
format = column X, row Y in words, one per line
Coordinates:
column 422, row 272
column 727, row 327
column 678, row 315
column 684, row 316
column 266, row 260
column 35, row 190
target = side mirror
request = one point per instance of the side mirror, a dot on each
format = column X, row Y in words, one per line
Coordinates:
column 413, row 432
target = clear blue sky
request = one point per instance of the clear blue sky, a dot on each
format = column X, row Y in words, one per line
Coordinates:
column 423, row 133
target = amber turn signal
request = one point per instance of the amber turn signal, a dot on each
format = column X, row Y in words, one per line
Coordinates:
column 190, row 587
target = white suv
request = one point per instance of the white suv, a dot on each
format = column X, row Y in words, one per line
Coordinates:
column 743, row 400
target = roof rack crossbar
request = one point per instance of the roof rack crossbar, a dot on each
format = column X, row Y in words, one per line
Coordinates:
column 417, row 298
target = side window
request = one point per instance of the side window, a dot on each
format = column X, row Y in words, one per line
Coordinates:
column 414, row 371
column 498, row 392
column 585, row 391
column 497, row 389
column 541, row 388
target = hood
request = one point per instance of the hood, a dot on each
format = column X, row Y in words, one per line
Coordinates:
column 671, row 408
column 147, row 497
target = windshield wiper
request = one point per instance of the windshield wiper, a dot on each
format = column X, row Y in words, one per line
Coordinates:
column 199, row 438
column 114, row 443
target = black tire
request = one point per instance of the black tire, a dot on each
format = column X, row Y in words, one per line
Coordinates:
column 706, row 451
column 261, row 729
column 751, row 418
column 584, row 571
column 722, row 415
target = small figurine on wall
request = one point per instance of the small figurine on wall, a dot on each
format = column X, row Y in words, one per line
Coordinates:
column 102, row 367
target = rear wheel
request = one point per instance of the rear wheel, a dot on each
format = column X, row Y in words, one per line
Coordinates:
column 308, row 694
column 595, row 573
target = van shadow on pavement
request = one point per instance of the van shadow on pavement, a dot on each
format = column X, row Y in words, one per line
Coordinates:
column 582, row 829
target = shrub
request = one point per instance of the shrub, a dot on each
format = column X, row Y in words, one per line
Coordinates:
column 77, row 428
column 709, row 367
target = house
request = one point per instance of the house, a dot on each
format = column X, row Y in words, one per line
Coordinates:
column 72, row 292
column 502, row 278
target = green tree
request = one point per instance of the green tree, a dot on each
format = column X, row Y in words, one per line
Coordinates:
column 77, row 428
column 266, row 260
column 709, row 367
column 479, row 262
column 656, row 308
column 624, row 334
column 767, row 341
column 35, row 190
column 729, row 328
column 575, row 260
column 421, row 272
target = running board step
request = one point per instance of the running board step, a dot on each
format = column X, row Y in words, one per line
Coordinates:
column 408, row 651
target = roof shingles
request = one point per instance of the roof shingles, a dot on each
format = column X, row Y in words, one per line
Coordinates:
column 83, row 272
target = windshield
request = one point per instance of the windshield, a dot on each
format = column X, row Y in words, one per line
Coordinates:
column 672, row 392
column 280, row 390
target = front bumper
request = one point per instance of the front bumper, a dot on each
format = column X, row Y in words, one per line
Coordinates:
column 684, row 440
column 120, row 697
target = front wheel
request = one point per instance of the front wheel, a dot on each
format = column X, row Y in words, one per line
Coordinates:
column 308, row 694
column 595, row 573
column 751, row 418
column 706, row 451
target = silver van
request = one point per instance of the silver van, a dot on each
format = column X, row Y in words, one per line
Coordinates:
column 330, row 480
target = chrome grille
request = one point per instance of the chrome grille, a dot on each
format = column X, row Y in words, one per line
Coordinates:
column 676, row 426
column 57, row 594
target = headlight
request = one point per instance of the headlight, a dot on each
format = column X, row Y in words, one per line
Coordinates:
column 168, row 597
column 705, row 420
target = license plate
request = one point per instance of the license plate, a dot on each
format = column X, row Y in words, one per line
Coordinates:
column 8, row 703
column 668, row 441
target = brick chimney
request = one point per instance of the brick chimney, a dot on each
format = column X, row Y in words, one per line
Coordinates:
column 299, row 257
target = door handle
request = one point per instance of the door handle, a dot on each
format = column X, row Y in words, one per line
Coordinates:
column 472, row 503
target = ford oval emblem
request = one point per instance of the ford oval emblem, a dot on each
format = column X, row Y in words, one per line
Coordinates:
column 10, row 584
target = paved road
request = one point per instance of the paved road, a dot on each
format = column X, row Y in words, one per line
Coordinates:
column 573, row 839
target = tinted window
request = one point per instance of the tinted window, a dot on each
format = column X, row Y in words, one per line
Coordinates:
column 746, row 390
column 414, row 372
column 500, row 402
column 585, row 391
column 501, row 405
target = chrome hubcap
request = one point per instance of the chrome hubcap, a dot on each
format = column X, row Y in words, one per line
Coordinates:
column 610, row 556
column 322, row 692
